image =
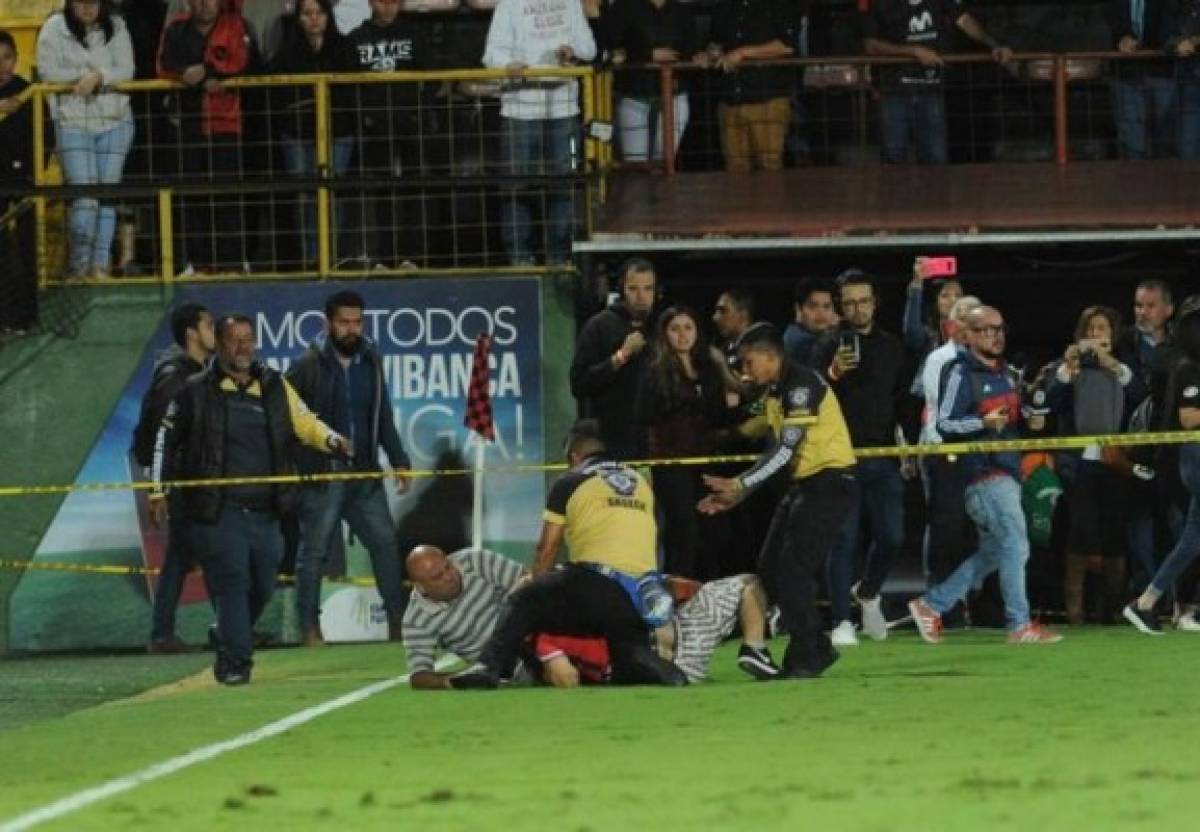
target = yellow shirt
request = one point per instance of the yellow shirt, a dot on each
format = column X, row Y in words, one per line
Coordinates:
column 803, row 401
column 608, row 511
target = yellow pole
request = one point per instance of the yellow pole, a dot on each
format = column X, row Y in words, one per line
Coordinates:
column 324, row 131
column 37, row 102
column 588, row 83
column 166, row 236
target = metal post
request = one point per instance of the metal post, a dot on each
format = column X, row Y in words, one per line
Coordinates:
column 37, row 102
column 324, row 170
column 666, row 80
column 1061, row 150
column 166, row 236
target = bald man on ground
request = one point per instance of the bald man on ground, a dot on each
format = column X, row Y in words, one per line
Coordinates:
column 455, row 602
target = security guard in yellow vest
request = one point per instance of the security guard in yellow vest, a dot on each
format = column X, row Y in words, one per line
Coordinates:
column 811, row 443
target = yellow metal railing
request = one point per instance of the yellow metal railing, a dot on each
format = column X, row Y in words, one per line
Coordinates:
column 593, row 104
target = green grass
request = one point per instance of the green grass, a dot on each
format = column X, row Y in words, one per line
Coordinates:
column 1095, row 733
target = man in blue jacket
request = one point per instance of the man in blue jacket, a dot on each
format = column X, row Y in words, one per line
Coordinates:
column 981, row 400
column 340, row 378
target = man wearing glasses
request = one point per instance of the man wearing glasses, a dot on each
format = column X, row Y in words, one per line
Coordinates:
column 981, row 400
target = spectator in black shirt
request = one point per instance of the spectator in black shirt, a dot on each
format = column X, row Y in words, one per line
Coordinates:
column 311, row 43
column 18, row 297
column 755, row 104
column 912, row 107
column 639, row 32
column 815, row 314
column 610, row 358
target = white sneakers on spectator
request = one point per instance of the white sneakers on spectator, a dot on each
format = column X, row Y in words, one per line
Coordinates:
column 1186, row 622
column 874, row 625
column 843, row 635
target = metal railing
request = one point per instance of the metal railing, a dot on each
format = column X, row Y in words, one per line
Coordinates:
column 1061, row 102
column 451, row 120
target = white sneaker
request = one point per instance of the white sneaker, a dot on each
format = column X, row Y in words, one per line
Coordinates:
column 873, row 622
column 1187, row 623
column 843, row 635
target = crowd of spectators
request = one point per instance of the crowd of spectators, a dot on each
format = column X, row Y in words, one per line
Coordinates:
column 390, row 137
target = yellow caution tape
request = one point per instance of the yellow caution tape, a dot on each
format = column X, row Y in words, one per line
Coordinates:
column 1051, row 443
column 111, row 569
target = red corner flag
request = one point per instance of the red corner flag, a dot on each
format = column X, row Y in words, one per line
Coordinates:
column 479, row 403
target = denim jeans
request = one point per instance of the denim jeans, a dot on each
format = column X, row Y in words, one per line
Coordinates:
column 880, row 494
column 1145, row 108
column 92, row 159
column 913, row 117
column 1189, row 118
column 534, row 147
column 364, row 506
column 241, row 554
column 642, row 138
column 181, row 558
column 1187, row 547
column 994, row 504
column 300, row 158
column 1147, row 514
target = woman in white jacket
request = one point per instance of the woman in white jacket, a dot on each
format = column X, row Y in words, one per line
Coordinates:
column 86, row 45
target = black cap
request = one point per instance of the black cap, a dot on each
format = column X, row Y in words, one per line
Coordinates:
column 759, row 334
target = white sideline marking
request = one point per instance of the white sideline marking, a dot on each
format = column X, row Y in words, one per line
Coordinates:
column 87, row 797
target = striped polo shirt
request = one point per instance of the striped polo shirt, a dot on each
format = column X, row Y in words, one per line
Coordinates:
column 461, row 626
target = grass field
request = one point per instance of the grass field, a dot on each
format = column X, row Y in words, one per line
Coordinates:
column 1096, row 733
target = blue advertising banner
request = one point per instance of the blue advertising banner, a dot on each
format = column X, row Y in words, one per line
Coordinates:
column 425, row 330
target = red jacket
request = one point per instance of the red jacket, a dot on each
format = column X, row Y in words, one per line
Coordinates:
column 226, row 51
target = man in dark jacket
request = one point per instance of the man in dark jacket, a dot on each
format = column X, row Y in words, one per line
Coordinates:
column 192, row 329
column 609, row 359
column 340, row 378
column 240, row 420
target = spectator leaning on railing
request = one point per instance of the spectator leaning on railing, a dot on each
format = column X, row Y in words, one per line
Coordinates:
column 209, row 43
column 540, row 117
column 1145, row 98
column 18, row 299
column 87, row 46
column 756, row 102
column 647, row 31
column 912, row 104
column 1183, row 43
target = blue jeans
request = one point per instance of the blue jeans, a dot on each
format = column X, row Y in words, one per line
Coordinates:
column 300, row 158
column 181, row 558
column 241, row 554
column 92, row 159
column 880, row 494
column 994, row 504
column 364, row 506
column 1187, row 547
column 533, row 147
column 1189, row 118
column 913, row 117
column 1146, row 109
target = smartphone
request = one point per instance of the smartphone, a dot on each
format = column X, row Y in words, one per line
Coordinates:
column 932, row 267
column 848, row 344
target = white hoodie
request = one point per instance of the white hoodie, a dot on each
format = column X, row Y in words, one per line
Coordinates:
column 62, row 59
column 529, row 32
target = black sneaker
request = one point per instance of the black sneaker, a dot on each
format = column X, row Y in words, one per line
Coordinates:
column 476, row 677
column 758, row 663
column 1146, row 621
column 810, row 669
column 236, row 673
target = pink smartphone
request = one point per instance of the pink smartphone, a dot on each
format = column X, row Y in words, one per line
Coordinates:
column 932, row 267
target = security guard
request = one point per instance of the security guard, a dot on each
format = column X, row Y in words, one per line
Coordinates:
column 802, row 415
column 604, row 510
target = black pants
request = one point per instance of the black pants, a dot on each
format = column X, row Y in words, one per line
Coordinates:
column 214, row 227
column 573, row 601
column 677, row 489
column 18, row 272
column 802, row 533
column 951, row 533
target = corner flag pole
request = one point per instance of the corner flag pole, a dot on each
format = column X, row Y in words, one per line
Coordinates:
column 479, row 419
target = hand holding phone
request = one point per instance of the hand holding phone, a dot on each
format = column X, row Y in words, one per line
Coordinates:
column 928, row 268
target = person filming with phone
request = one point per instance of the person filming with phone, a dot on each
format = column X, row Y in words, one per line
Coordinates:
column 868, row 370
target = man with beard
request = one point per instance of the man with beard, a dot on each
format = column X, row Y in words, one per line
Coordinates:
column 981, row 400
column 240, row 420
column 340, row 378
column 610, row 356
